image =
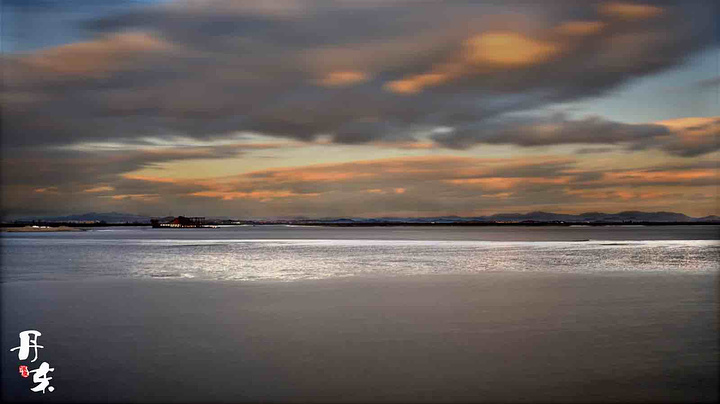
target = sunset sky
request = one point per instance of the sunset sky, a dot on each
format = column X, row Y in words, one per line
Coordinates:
column 367, row 108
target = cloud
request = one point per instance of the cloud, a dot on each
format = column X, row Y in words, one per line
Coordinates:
column 207, row 70
column 554, row 130
column 398, row 182
column 95, row 57
column 101, row 188
column 343, row 78
column 709, row 83
column 481, row 54
column 179, row 81
column 403, row 186
column 580, row 27
column 631, row 11
column 645, row 177
column 94, row 167
column 507, row 49
column 51, row 190
column 694, row 136
column 686, row 137
column 262, row 196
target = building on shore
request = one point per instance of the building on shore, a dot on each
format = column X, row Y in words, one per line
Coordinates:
column 179, row 222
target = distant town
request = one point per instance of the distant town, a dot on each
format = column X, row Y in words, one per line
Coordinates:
column 502, row 219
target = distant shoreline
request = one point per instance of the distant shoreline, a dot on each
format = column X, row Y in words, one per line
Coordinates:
column 50, row 227
column 500, row 224
column 37, row 229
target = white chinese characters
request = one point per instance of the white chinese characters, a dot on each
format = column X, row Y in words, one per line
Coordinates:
column 40, row 377
column 28, row 341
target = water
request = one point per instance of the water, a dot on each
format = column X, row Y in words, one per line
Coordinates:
column 289, row 253
column 491, row 314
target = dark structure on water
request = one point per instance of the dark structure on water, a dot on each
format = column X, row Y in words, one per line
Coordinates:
column 179, row 222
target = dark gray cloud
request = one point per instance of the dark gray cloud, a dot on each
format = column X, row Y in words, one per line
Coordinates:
column 710, row 83
column 554, row 131
column 76, row 170
column 209, row 69
column 528, row 132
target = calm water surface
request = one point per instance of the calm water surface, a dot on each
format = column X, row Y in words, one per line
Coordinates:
column 296, row 314
column 291, row 253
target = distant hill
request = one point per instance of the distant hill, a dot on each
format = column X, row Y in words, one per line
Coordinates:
column 108, row 217
column 538, row 217
column 628, row 216
column 532, row 217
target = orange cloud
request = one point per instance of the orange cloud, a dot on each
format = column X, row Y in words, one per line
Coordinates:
column 504, row 183
column 407, row 145
column 415, row 84
column 507, row 49
column 343, row 78
column 482, row 53
column 580, row 28
column 137, row 197
column 417, row 186
column 259, row 195
column 648, row 177
column 95, row 58
column 492, row 183
column 694, row 126
column 461, row 183
column 47, row 190
column 499, row 195
column 630, row 11
column 692, row 135
column 314, row 175
column 99, row 189
column 389, row 176
column 151, row 179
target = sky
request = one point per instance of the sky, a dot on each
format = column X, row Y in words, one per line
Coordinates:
column 359, row 108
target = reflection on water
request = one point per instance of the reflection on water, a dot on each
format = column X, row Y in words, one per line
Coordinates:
column 290, row 253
